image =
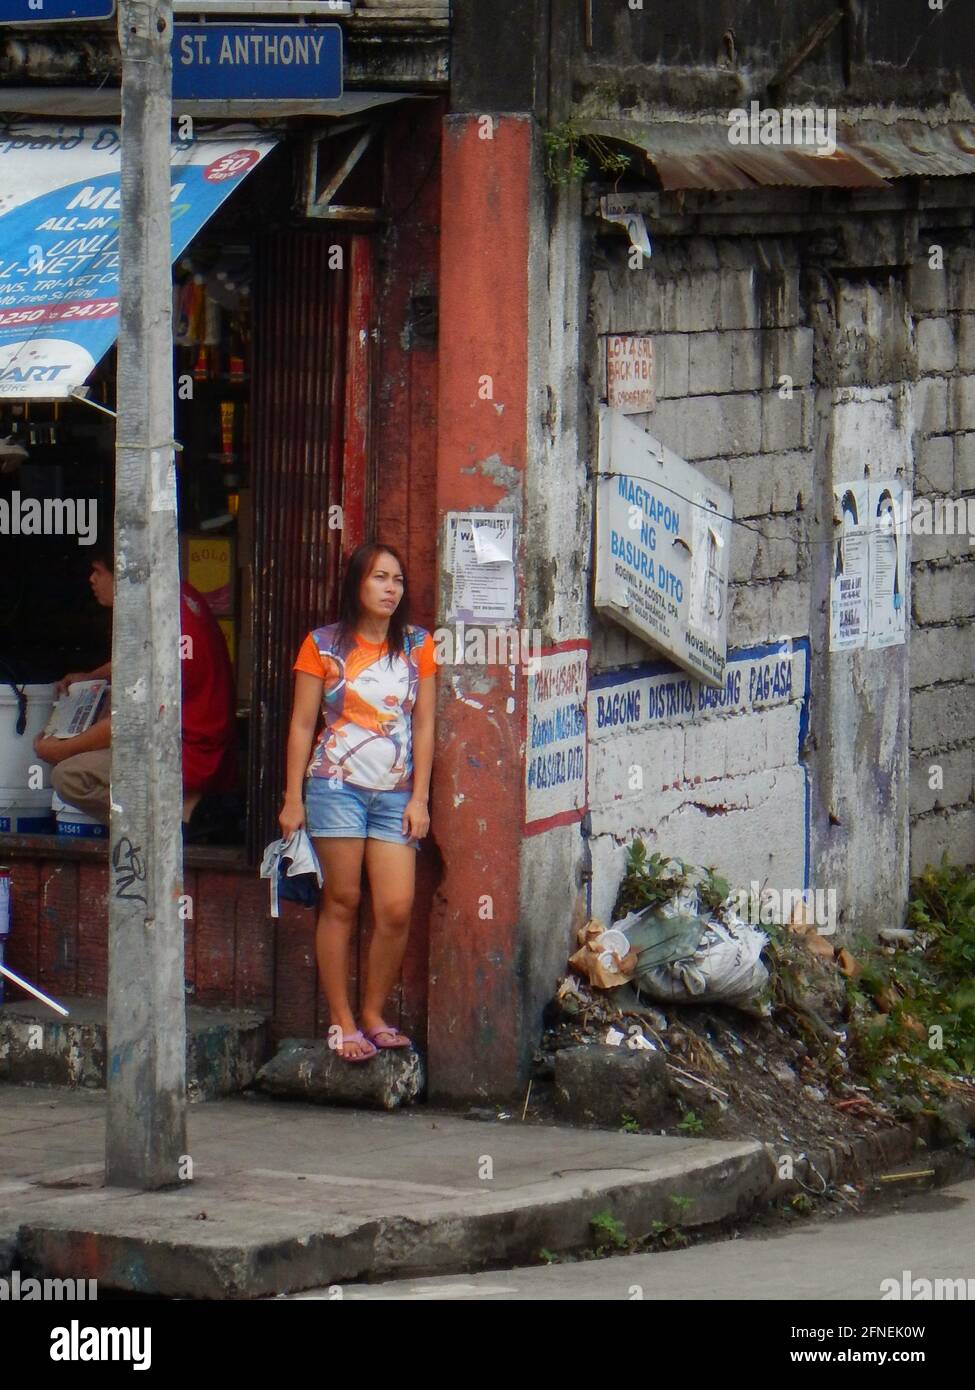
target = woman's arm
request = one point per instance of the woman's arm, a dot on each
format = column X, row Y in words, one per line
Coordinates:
column 304, row 722
column 416, row 817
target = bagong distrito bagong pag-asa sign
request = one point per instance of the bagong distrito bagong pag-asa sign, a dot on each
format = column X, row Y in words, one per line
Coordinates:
column 663, row 534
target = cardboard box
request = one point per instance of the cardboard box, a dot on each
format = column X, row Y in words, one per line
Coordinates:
column 209, row 564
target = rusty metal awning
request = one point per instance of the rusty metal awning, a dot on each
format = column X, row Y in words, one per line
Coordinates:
column 699, row 155
column 911, row 149
column 106, row 103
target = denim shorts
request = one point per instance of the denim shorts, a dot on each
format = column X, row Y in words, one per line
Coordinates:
column 336, row 810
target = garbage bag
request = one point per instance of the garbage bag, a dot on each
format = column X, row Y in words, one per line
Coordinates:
column 661, row 935
column 725, row 968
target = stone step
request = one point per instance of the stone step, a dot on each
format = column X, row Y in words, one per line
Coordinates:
column 309, row 1070
column 224, row 1047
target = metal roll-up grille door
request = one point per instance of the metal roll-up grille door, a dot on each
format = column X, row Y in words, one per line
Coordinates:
column 307, row 341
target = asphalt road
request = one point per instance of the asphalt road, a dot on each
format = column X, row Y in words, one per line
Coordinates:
column 930, row 1236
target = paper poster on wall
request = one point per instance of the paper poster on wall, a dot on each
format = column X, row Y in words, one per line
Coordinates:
column 848, row 608
column 630, row 386
column 707, row 587
column 868, row 567
column 479, row 554
column 888, row 555
column 555, row 761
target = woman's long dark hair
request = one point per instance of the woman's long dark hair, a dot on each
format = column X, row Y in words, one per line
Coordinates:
column 360, row 563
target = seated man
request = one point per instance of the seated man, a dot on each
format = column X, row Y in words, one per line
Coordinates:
column 82, row 770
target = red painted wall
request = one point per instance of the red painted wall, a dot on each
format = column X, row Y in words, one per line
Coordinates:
column 405, row 436
column 405, row 391
column 235, row 954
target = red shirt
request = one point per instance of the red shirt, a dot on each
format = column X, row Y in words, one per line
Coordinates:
column 209, row 723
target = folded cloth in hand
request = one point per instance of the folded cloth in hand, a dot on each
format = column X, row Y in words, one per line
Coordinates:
column 293, row 868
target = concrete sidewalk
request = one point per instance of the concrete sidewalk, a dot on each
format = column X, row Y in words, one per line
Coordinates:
column 287, row 1196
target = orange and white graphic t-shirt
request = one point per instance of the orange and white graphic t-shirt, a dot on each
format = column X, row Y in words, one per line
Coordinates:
column 367, row 703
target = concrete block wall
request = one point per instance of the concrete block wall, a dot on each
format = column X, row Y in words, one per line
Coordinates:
column 942, row 657
column 734, row 366
column 558, row 512
column 881, row 365
column 734, row 377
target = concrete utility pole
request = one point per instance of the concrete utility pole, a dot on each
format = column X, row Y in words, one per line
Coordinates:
column 146, row 1065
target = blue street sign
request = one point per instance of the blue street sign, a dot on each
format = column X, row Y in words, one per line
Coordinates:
column 47, row 11
column 214, row 62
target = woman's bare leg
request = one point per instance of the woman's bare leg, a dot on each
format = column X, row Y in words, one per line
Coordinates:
column 338, row 913
column 392, row 879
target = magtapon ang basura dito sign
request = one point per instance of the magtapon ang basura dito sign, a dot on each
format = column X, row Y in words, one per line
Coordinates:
column 663, row 536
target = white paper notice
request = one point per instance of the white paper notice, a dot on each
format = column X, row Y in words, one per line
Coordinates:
column 848, row 584
column 868, row 573
column 887, row 556
column 709, row 532
column 492, row 543
column 480, row 551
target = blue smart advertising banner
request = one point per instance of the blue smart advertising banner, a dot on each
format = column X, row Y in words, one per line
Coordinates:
column 59, row 232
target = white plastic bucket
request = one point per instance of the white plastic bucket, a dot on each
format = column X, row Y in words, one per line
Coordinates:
column 71, row 821
column 17, row 754
column 20, row 804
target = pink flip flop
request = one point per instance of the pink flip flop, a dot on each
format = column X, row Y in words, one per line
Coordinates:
column 374, row 1034
column 357, row 1037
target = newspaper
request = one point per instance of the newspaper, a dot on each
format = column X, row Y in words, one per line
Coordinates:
column 77, row 710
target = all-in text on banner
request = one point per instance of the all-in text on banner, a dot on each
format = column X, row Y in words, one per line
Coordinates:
column 60, row 203
column 220, row 62
column 51, row 11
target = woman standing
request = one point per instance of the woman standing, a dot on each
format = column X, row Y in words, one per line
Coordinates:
column 367, row 782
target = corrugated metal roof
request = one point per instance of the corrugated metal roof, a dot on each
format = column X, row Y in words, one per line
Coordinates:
column 107, row 101
column 909, row 148
column 700, row 155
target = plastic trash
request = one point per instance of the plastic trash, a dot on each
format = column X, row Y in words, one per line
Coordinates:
column 660, row 935
column 599, row 960
column 725, row 968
